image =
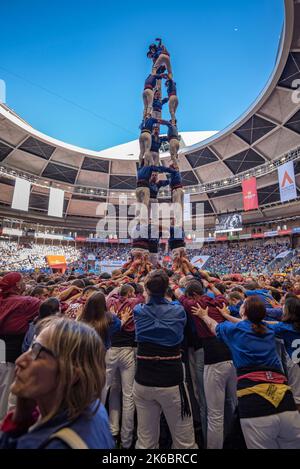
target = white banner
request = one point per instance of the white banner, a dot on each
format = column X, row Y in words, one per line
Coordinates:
column 21, row 195
column 287, row 183
column 199, row 261
column 187, row 212
column 56, row 203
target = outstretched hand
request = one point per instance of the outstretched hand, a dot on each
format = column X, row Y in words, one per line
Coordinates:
column 126, row 314
column 224, row 310
column 199, row 312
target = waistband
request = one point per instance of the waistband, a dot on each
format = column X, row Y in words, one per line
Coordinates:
column 158, row 358
column 176, row 186
column 142, row 183
column 265, row 377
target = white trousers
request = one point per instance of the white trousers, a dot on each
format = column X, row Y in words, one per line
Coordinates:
column 293, row 370
column 279, row 431
column 220, row 392
column 7, row 373
column 150, row 402
column 122, row 359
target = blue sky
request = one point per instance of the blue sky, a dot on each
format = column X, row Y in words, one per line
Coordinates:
column 75, row 70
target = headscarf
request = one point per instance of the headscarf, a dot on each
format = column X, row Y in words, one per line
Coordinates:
column 8, row 283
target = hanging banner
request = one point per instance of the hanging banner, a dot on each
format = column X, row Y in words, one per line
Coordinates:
column 187, row 212
column 250, row 194
column 56, row 203
column 287, row 182
column 21, row 195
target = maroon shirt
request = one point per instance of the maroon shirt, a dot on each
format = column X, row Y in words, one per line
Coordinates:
column 121, row 303
column 204, row 301
column 16, row 312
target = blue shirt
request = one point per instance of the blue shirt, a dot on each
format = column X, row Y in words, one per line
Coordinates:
column 156, row 143
column 159, row 322
column 248, row 348
column 235, row 309
column 114, row 327
column 264, row 295
column 172, row 132
column 158, row 104
column 154, row 188
column 175, row 177
column 94, row 431
column 288, row 334
column 144, row 173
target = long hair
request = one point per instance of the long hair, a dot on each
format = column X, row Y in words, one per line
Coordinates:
column 292, row 312
column 255, row 311
column 81, row 365
column 96, row 315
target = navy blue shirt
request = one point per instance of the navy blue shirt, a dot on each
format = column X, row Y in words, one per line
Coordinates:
column 156, row 143
column 147, row 124
column 144, row 173
column 171, row 88
column 155, row 187
column 172, row 132
column 158, row 104
column 290, row 337
column 248, row 348
column 263, row 294
column 175, row 177
column 151, row 80
column 93, row 430
column 159, row 322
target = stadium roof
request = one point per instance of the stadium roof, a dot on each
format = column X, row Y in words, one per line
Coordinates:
column 213, row 164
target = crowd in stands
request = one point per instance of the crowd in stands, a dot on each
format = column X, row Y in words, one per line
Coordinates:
column 234, row 258
column 224, row 258
column 233, row 337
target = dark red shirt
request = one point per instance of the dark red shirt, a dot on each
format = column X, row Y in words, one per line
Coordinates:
column 204, row 301
column 16, row 312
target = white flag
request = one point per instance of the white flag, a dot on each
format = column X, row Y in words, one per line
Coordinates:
column 287, row 182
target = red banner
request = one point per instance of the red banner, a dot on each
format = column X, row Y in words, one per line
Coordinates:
column 250, row 194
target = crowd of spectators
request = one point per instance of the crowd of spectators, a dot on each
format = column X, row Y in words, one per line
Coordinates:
column 224, row 258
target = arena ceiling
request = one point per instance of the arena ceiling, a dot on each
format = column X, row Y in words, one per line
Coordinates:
column 212, row 168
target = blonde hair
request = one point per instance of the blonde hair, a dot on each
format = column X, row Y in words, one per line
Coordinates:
column 81, row 364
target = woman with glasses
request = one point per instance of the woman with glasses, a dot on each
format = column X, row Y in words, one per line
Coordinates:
column 58, row 385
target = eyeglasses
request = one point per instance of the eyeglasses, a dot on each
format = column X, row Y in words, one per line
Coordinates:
column 36, row 348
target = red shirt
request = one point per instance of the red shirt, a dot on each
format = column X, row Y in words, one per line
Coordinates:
column 204, row 301
column 16, row 312
column 120, row 304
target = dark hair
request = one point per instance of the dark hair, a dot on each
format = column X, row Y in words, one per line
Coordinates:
column 88, row 282
column 255, row 311
column 125, row 289
column 157, row 283
column 105, row 276
column 96, row 315
column 39, row 290
column 275, row 284
column 238, row 289
column 169, row 272
column 90, row 287
column 41, row 278
column 292, row 312
column 170, row 294
column 221, row 287
column 194, row 287
column 252, row 286
column 276, row 295
column 50, row 282
column 78, row 283
column 49, row 307
column 234, row 295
